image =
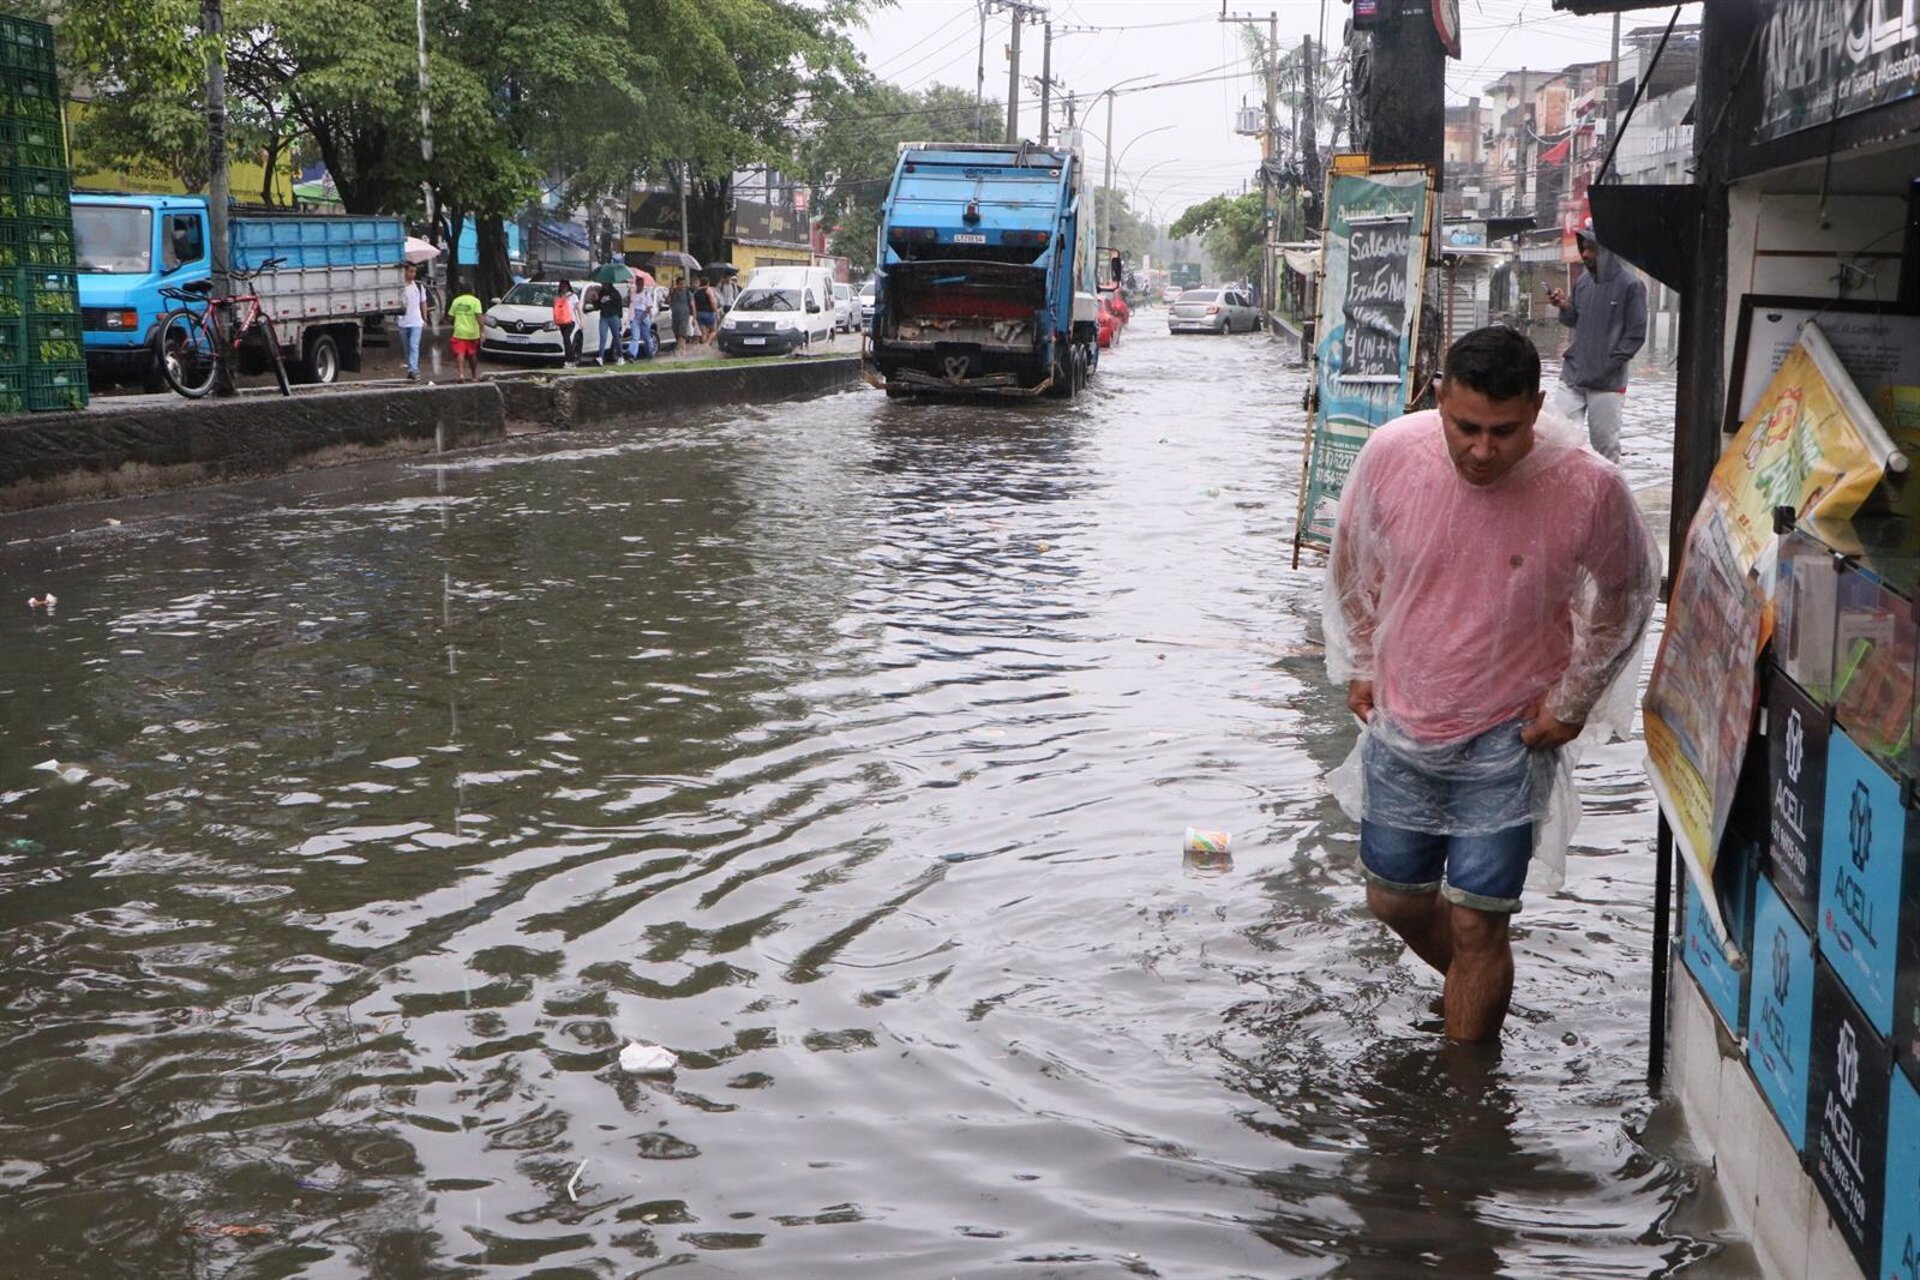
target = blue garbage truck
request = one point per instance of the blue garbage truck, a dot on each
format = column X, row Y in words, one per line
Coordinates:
column 339, row 273
column 985, row 270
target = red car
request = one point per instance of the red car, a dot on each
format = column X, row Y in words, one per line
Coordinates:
column 1109, row 323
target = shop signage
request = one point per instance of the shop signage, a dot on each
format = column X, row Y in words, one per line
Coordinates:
column 1378, row 224
column 1780, row 1011
column 1723, row 985
column 1900, row 1224
column 1823, row 60
column 1862, row 846
column 1797, row 729
column 1847, row 1099
column 1811, row 444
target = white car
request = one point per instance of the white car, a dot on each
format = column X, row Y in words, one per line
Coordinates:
column 521, row 323
column 863, row 303
column 843, row 308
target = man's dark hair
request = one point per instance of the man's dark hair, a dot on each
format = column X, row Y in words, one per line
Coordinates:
column 1498, row 362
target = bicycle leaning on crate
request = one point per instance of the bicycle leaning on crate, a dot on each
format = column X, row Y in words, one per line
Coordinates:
column 188, row 338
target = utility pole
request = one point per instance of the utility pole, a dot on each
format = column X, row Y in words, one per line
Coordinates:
column 1272, row 239
column 1613, row 82
column 980, row 81
column 213, row 31
column 1013, row 77
column 1309, row 141
column 1046, row 76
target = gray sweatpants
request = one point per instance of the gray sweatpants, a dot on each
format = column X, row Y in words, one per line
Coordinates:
column 1598, row 411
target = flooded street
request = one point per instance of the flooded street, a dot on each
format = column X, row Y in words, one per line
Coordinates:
column 845, row 748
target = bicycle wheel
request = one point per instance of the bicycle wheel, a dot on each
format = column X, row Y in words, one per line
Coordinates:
column 184, row 352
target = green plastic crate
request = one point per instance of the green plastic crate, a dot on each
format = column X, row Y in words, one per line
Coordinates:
column 26, row 45
column 13, row 390
column 56, row 386
column 41, row 193
column 54, row 340
column 33, row 95
column 46, row 242
column 49, row 291
column 34, row 143
column 13, row 344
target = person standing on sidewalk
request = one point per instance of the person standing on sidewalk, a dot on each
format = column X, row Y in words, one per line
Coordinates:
column 1608, row 316
column 611, row 307
column 565, row 319
column 412, row 321
column 680, row 302
column 642, row 341
column 465, row 312
column 1487, row 585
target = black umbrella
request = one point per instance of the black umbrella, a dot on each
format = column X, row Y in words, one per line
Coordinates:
column 720, row 269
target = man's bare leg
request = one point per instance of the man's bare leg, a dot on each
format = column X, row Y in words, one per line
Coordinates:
column 1480, row 978
column 1424, row 920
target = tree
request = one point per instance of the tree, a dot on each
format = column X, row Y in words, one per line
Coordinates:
column 1234, row 229
column 855, row 139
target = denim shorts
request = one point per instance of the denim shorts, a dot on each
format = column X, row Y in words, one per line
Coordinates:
column 1487, row 782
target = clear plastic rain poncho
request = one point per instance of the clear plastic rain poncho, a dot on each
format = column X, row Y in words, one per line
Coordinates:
column 1469, row 606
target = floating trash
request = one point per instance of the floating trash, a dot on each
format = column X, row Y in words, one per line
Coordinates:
column 1199, row 841
column 647, row 1060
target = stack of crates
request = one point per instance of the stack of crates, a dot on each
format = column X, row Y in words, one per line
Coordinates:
column 42, row 359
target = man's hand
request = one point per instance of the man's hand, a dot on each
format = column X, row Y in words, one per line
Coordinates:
column 1360, row 698
column 1556, row 297
column 1543, row 731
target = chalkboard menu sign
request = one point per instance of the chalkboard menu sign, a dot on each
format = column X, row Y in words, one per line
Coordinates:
column 1376, row 303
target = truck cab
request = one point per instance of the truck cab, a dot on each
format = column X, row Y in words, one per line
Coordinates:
column 127, row 247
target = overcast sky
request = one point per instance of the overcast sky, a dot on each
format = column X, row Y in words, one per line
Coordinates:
column 1099, row 43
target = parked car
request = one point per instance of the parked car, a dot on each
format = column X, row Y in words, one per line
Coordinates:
column 843, row 308
column 1169, row 295
column 521, row 323
column 782, row 309
column 863, row 303
column 1213, row 311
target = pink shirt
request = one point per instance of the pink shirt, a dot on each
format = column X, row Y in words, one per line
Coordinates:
column 1460, row 600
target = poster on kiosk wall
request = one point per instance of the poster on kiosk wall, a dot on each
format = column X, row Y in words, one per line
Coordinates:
column 1812, row 444
column 1373, row 272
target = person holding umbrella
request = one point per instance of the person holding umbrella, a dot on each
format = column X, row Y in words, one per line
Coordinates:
column 610, row 304
column 412, row 321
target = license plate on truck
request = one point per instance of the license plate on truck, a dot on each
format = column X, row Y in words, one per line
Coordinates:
column 964, row 237
column 753, row 342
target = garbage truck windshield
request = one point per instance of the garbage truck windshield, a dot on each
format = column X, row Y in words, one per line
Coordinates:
column 113, row 239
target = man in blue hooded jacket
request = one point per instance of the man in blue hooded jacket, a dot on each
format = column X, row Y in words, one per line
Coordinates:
column 1608, row 316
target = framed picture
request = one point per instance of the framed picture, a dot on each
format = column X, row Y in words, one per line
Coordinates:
column 1878, row 343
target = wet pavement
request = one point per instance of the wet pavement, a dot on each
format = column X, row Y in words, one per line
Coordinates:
column 352, row 822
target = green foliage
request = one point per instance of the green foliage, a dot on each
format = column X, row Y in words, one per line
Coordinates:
column 856, row 136
column 1234, row 229
column 1121, row 227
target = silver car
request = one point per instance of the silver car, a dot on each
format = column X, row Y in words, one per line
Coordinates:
column 1212, row 311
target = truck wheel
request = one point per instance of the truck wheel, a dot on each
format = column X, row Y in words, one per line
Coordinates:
column 322, row 364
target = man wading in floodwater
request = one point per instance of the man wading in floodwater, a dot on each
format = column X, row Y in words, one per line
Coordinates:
column 1487, row 584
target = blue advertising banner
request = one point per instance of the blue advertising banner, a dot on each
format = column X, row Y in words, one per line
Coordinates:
column 1864, row 839
column 1378, row 224
column 1780, row 1011
column 1723, row 985
column 1900, row 1226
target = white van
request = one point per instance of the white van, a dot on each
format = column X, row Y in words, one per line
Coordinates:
column 781, row 309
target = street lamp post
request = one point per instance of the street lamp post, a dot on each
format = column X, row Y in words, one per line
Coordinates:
column 1108, row 94
column 1114, row 162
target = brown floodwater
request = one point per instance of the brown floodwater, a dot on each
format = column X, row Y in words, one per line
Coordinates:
column 352, row 823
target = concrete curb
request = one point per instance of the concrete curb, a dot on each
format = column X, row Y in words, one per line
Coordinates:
column 112, row 451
